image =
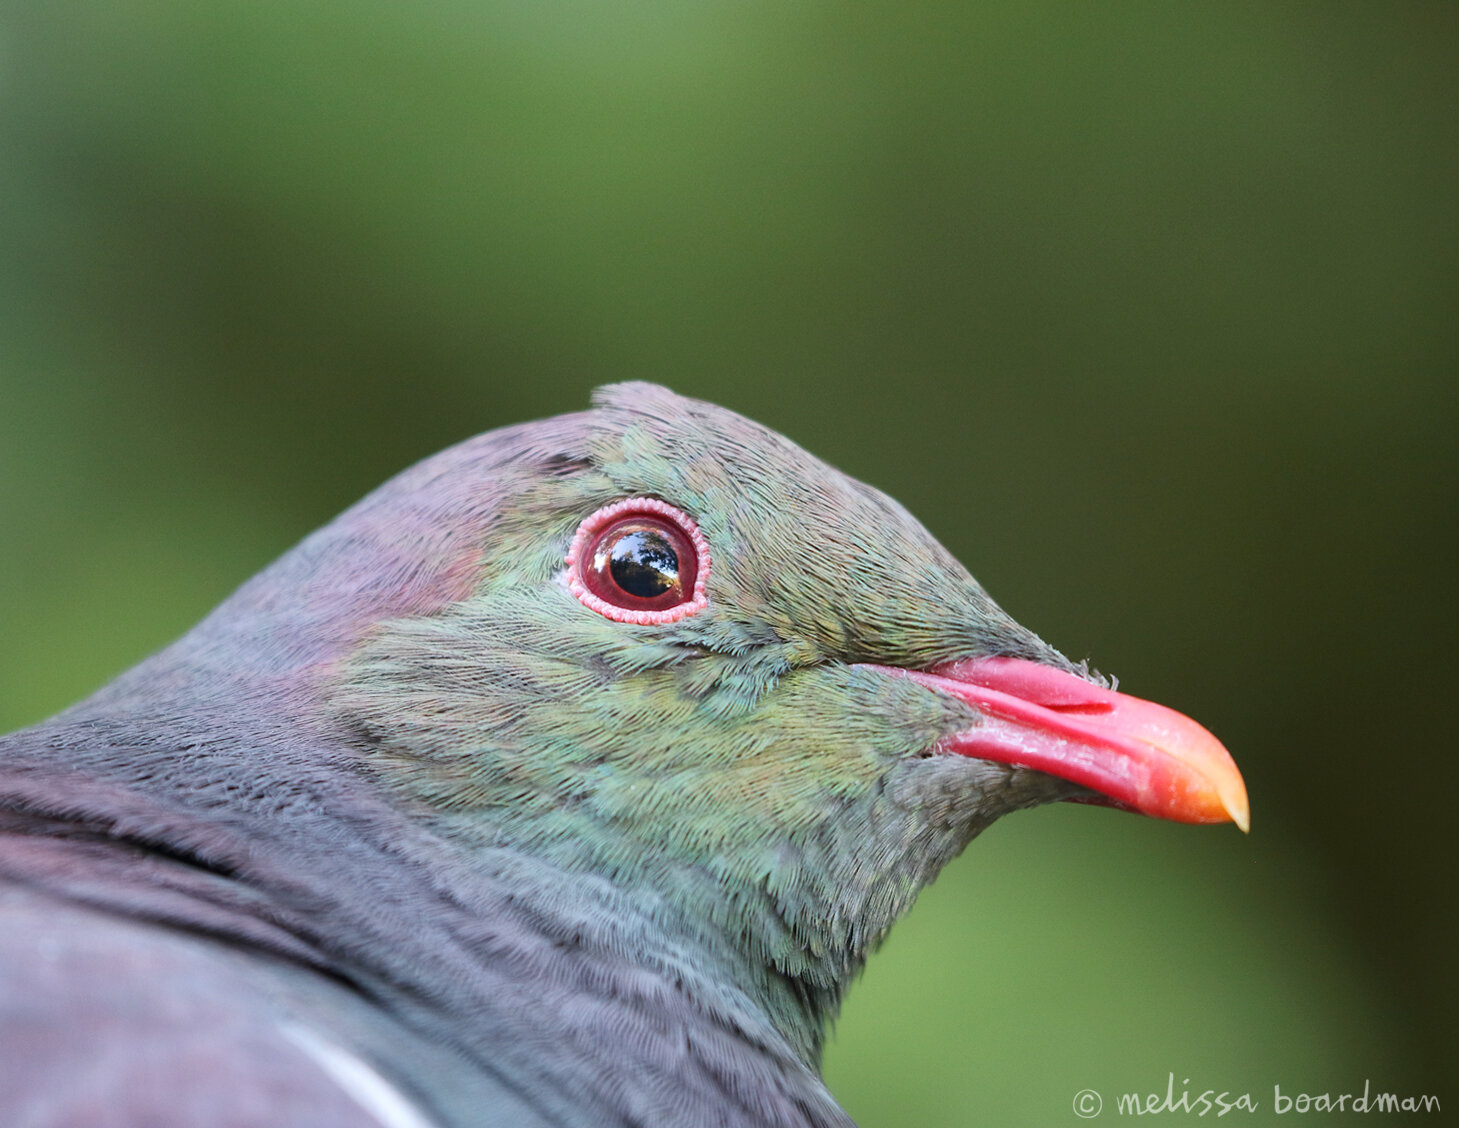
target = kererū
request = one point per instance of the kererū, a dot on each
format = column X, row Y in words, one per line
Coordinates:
column 567, row 779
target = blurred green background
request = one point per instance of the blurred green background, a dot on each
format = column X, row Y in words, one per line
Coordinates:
column 1148, row 310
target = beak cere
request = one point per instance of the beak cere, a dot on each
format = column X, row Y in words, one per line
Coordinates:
column 1133, row 753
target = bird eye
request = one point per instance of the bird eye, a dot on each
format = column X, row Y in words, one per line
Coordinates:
column 639, row 560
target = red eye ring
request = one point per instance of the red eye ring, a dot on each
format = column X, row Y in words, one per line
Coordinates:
column 639, row 560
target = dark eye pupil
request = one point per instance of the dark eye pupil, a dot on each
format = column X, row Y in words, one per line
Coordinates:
column 643, row 563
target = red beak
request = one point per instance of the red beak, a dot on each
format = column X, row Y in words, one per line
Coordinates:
column 1133, row 753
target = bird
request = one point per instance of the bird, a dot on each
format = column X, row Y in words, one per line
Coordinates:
column 569, row 778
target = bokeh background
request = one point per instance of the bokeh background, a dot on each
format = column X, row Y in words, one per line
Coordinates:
column 1147, row 309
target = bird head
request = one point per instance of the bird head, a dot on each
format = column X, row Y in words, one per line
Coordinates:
column 673, row 650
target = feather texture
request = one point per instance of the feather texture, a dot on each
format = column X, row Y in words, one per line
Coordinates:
column 404, row 834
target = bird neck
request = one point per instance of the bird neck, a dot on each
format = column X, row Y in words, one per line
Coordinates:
column 482, row 948
column 726, row 943
column 783, row 928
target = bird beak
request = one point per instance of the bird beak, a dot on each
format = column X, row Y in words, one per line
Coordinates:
column 1132, row 753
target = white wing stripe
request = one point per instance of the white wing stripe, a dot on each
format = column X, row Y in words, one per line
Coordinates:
column 365, row 1087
